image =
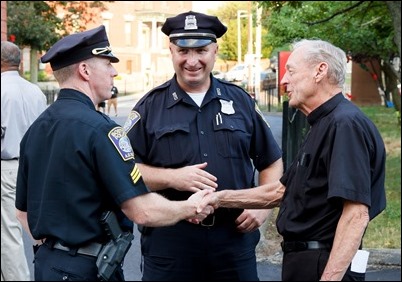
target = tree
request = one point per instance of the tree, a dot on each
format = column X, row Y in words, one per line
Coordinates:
column 39, row 24
column 227, row 13
column 364, row 29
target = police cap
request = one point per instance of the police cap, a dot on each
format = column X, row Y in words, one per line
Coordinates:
column 193, row 30
column 77, row 47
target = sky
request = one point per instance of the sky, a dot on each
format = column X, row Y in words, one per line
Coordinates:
column 202, row 6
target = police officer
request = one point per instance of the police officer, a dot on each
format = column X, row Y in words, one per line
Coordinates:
column 76, row 163
column 196, row 132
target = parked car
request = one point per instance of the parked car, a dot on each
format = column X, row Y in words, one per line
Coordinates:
column 218, row 74
column 268, row 80
column 237, row 73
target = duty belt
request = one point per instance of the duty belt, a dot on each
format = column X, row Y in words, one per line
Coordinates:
column 297, row 246
column 91, row 249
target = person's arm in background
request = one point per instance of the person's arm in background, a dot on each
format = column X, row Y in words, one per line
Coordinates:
column 23, row 219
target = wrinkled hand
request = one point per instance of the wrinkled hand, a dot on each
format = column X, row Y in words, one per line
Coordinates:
column 202, row 208
column 194, row 178
column 250, row 220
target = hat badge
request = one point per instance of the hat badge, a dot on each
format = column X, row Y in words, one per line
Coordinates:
column 190, row 22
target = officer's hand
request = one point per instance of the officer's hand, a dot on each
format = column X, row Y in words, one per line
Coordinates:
column 193, row 178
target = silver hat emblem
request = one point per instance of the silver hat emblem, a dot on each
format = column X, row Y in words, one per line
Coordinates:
column 190, row 22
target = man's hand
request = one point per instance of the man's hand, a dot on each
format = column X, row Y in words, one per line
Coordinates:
column 250, row 220
column 193, row 178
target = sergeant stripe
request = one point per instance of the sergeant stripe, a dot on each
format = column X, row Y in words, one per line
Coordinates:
column 135, row 174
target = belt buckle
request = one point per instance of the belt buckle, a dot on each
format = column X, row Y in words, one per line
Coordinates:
column 208, row 222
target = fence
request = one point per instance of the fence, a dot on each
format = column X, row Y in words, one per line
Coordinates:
column 51, row 95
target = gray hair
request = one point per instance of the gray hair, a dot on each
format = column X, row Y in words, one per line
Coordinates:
column 10, row 54
column 317, row 51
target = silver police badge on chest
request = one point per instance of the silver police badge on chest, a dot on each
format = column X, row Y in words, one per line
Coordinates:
column 227, row 107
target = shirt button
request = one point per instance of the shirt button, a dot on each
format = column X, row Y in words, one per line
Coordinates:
column 205, row 155
column 202, row 132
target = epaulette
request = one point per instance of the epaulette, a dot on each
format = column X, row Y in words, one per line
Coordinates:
column 231, row 84
column 159, row 87
column 153, row 91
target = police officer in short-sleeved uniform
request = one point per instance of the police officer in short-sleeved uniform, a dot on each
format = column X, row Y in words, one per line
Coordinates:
column 227, row 131
column 75, row 163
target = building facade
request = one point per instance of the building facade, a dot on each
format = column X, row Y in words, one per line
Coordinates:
column 134, row 31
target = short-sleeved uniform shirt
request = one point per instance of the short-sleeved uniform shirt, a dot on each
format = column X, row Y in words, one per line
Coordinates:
column 75, row 163
column 343, row 157
column 228, row 131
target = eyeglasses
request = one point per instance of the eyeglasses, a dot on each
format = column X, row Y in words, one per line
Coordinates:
column 103, row 50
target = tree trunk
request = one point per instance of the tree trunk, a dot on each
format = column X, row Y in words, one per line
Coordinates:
column 33, row 68
column 391, row 82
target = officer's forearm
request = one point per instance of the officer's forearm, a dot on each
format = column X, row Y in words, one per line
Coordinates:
column 154, row 210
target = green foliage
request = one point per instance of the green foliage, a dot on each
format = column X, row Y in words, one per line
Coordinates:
column 227, row 13
column 366, row 30
column 33, row 23
column 42, row 76
column 385, row 230
column 39, row 24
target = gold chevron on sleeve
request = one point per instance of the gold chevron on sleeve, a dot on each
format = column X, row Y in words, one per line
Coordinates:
column 135, row 174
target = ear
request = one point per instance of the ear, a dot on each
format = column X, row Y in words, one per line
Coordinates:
column 322, row 69
column 84, row 70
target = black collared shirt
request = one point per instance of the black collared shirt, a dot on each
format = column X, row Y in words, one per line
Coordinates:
column 343, row 157
column 228, row 131
column 75, row 163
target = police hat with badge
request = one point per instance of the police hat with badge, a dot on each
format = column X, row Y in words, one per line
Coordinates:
column 193, row 30
column 77, row 47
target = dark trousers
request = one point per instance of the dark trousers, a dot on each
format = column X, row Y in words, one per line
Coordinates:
column 309, row 265
column 189, row 252
column 57, row 265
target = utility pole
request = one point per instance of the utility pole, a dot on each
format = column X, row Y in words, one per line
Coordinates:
column 258, row 55
column 250, row 59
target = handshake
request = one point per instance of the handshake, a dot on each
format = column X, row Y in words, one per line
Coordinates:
column 205, row 203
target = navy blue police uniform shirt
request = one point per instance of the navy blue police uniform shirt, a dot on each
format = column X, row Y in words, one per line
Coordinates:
column 75, row 163
column 228, row 131
column 343, row 157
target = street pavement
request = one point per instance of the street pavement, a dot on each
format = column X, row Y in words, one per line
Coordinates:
column 383, row 265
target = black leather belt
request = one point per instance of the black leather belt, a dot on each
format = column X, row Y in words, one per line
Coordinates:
column 297, row 246
column 221, row 217
column 92, row 249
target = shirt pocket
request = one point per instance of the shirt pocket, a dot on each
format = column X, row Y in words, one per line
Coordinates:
column 171, row 146
column 232, row 138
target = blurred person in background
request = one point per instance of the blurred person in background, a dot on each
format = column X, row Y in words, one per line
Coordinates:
column 21, row 103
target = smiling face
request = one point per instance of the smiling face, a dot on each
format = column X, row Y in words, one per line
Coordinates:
column 193, row 66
